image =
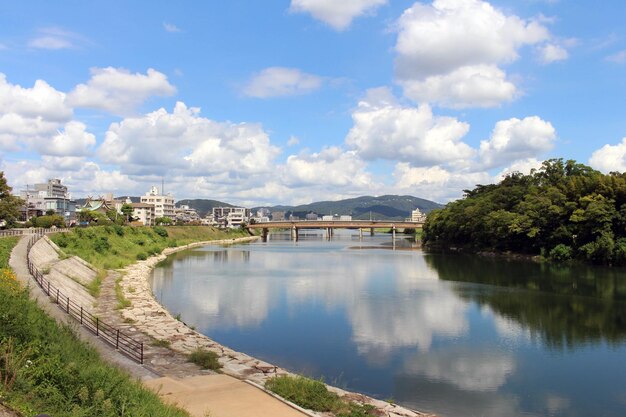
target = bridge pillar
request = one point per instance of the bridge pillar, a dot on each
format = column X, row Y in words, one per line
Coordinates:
column 264, row 234
column 371, row 231
column 360, row 233
column 294, row 233
column 393, row 232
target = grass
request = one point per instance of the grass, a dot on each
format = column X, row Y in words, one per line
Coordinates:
column 313, row 395
column 6, row 245
column 60, row 375
column 205, row 359
column 94, row 286
column 108, row 247
column 122, row 302
column 161, row 343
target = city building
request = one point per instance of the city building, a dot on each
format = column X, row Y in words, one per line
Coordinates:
column 163, row 204
column 278, row 216
column 143, row 213
column 230, row 216
column 45, row 197
column 417, row 216
column 186, row 214
column 311, row 216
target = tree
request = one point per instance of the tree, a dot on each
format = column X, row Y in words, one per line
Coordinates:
column 9, row 204
column 127, row 211
column 163, row 220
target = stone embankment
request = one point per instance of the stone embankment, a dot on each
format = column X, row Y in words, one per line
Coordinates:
column 147, row 315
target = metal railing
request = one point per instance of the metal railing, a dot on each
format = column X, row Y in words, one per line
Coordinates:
column 122, row 342
column 36, row 230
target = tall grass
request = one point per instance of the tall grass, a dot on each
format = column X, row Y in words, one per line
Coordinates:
column 112, row 247
column 58, row 374
column 313, row 395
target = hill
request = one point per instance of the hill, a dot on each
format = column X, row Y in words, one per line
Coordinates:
column 202, row 206
column 381, row 208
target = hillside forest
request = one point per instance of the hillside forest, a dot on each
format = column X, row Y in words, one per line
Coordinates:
column 562, row 211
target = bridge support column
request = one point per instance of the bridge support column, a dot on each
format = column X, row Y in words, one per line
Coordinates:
column 371, row 231
column 393, row 232
column 360, row 233
column 294, row 233
column 264, row 234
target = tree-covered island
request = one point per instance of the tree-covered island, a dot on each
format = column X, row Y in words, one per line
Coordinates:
column 563, row 211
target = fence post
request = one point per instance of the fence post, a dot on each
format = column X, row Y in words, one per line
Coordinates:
column 97, row 327
column 57, row 296
column 68, row 305
column 48, row 287
column 141, row 357
column 117, row 339
column 81, row 314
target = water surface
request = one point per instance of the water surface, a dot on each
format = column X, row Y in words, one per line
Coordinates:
column 450, row 334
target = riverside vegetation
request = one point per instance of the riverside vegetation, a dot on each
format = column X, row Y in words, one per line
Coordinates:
column 563, row 211
column 44, row 367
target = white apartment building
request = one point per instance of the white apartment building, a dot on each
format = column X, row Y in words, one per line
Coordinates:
column 163, row 204
column 144, row 213
column 417, row 216
column 230, row 216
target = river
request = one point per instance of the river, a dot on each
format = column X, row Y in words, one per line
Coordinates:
column 456, row 335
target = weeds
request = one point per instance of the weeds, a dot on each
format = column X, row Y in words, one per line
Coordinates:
column 313, row 394
column 122, row 302
column 161, row 343
column 11, row 362
column 205, row 359
column 94, row 286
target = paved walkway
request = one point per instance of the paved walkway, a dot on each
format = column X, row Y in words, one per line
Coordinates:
column 220, row 396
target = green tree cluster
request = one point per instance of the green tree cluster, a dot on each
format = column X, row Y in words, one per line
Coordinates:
column 564, row 210
column 9, row 204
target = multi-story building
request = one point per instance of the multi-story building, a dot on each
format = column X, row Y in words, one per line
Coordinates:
column 163, row 204
column 144, row 213
column 417, row 216
column 230, row 216
column 186, row 214
column 50, row 196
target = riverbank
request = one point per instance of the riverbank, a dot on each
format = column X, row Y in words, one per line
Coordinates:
column 150, row 317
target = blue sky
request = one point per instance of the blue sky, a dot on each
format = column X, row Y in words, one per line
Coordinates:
column 284, row 102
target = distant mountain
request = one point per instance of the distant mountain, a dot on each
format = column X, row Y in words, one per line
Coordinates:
column 202, row 206
column 385, row 207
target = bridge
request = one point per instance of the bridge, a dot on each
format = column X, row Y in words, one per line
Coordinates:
column 330, row 225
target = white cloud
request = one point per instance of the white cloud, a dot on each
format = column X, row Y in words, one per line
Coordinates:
column 523, row 166
column 516, row 139
column 469, row 86
column 385, row 130
column 73, row 141
column 40, row 101
column 337, row 14
column 452, row 46
column 280, row 81
column 549, row 53
column 28, row 115
column 182, row 141
column 293, row 141
column 436, row 183
column 618, row 57
column 610, row 158
column 170, row 27
column 118, row 91
column 54, row 38
column 331, row 168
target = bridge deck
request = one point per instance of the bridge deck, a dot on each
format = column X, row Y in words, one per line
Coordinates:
column 336, row 224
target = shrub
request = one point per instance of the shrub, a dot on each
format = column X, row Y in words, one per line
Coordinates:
column 142, row 256
column 205, row 359
column 561, row 253
column 101, row 244
column 119, row 230
column 160, row 230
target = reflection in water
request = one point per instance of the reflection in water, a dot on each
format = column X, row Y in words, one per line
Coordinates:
column 566, row 306
column 456, row 335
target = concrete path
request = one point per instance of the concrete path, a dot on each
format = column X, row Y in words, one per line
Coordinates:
column 220, row 396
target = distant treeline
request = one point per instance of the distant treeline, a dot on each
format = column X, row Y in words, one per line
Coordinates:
column 563, row 211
